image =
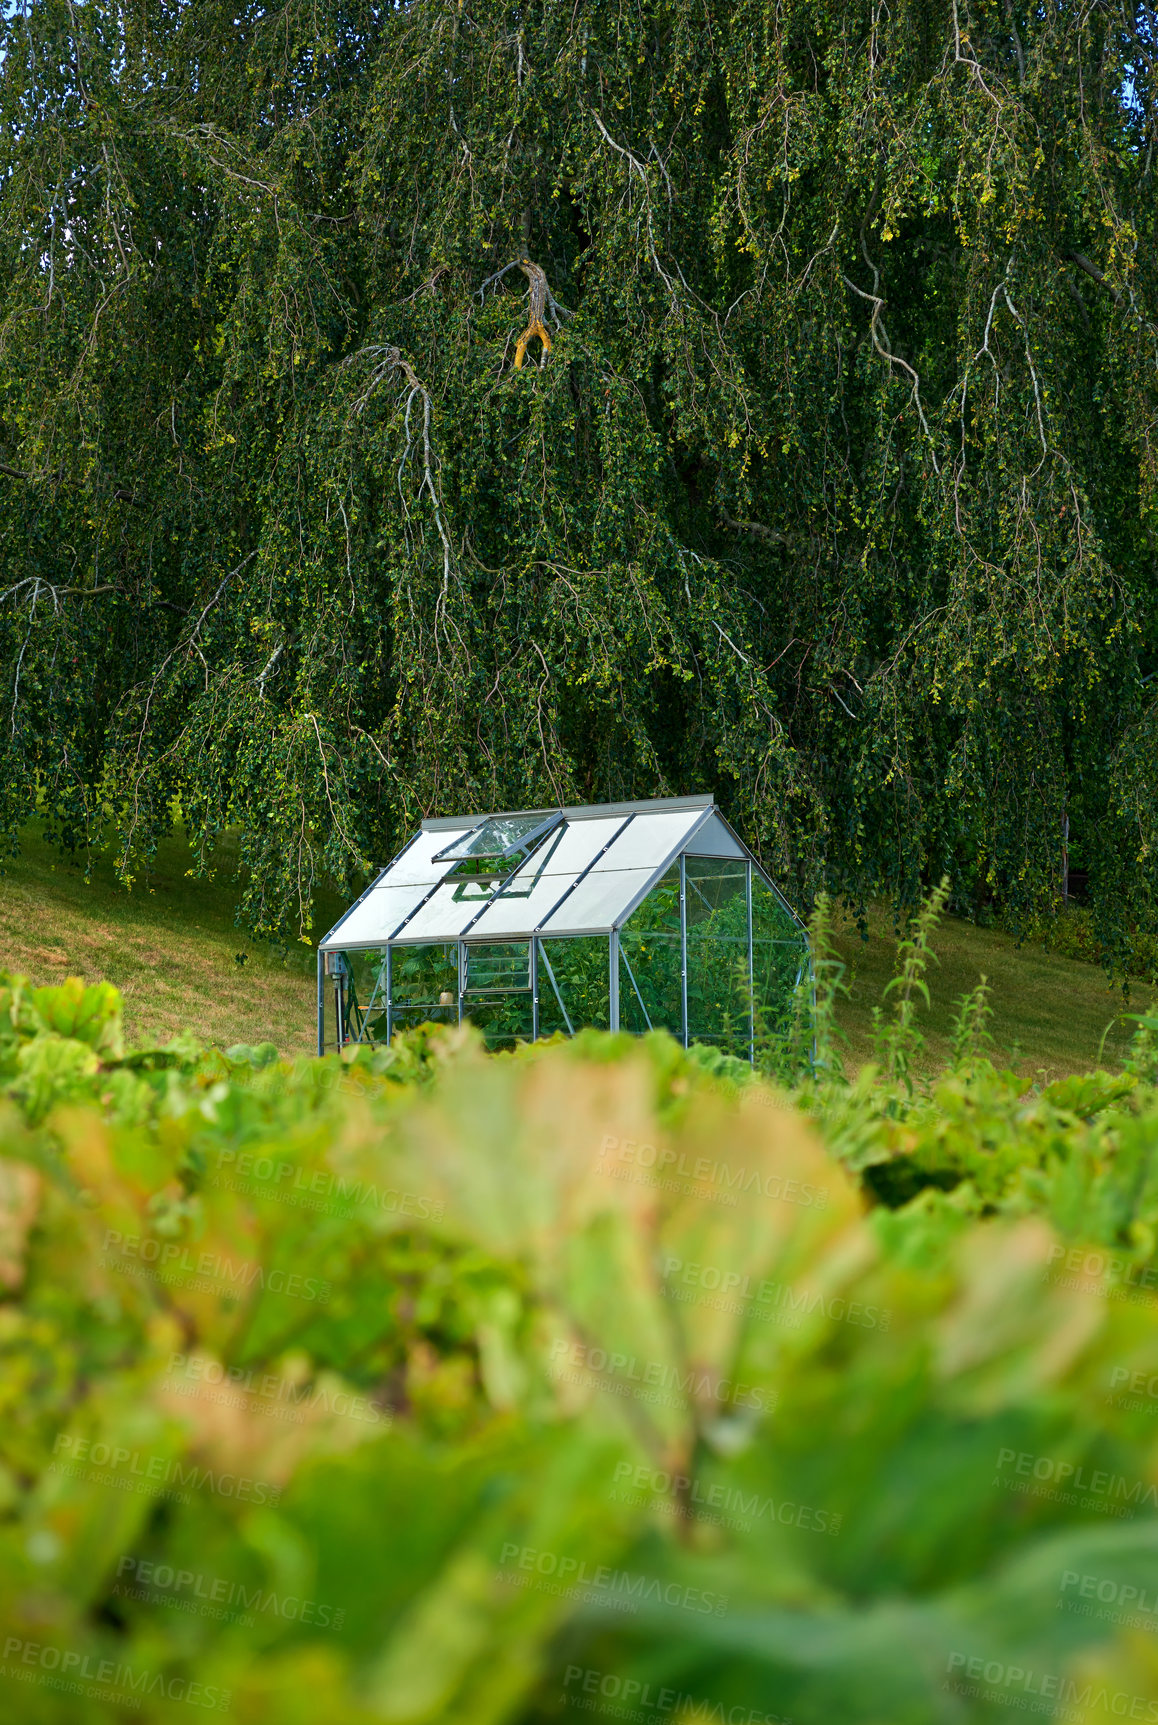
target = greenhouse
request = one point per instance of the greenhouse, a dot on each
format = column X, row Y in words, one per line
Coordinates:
column 624, row 916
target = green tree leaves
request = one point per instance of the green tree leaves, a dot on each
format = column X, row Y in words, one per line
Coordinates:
column 835, row 489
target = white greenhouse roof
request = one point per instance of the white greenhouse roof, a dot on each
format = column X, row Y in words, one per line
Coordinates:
column 579, row 871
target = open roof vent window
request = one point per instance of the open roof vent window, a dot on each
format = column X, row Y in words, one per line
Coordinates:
column 499, row 841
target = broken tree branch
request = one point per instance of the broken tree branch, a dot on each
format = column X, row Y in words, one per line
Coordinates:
column 543, row 304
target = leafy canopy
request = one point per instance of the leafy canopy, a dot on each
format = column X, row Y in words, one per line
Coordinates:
column 445, row 404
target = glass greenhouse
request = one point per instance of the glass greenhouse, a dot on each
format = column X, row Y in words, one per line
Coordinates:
column 625, row 916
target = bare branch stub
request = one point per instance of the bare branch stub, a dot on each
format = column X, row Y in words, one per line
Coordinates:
column 543, row 302
column 535, row 324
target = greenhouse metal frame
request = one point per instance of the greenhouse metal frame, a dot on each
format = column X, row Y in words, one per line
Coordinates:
column 624, row 916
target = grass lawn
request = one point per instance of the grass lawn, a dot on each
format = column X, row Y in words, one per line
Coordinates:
column 1049, row 1013
column 172, row 948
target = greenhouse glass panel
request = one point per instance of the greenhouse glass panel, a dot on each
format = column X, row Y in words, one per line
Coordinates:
column 410, row 1017
column 779, row 956
column 650, row 843
column 715, row 839
column 451, row 909
column 598, row 901
column 772, row 919
column 382, row 910
column 497, row 999
column 538, row 885
column 417, row 862
column 496, row 967
column 577, row 848
column 521, row 906
column 574, row 984
column 504, row 1019
column 650, row 969
column 424, row 977
column 364, row 995
column 719, row 990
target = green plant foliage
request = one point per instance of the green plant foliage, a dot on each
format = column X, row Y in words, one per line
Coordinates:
column 574, row 983
column 435, row 405
column 1075, row 934
column 896, row 1036
column 426, row 1385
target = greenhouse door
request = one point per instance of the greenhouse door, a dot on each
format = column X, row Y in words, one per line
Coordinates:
column 496, row 990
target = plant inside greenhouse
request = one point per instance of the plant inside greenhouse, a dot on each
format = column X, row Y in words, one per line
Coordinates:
column 622, row 916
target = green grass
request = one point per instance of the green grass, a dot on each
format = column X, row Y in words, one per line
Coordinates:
column 171, row 946
column 1050, row 1014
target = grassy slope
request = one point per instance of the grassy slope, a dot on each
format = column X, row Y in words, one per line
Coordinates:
column 171, row 948
column 1049, row 1012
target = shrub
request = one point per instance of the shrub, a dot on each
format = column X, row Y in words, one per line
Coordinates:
column 426, row 1385
column 1073, row 933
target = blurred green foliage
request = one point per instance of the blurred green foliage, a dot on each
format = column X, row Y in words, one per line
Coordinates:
column 424, row 1384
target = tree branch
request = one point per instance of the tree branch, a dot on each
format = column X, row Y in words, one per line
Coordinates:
column 754, row 528
column 1094, row 274
column 543, row 301
column 883, row 346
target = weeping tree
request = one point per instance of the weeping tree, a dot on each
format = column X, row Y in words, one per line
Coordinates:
column 456, row 404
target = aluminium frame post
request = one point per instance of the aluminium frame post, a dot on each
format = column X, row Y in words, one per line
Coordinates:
column 534, row 988
column 613, row 997
column 321, row 1002
column 389, row 992
column 461, row 976
column 635, row 989
column 751, row 975
column 684, row 944
column 555, row 987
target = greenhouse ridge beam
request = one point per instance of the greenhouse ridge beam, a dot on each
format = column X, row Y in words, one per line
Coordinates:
column 579, row 812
